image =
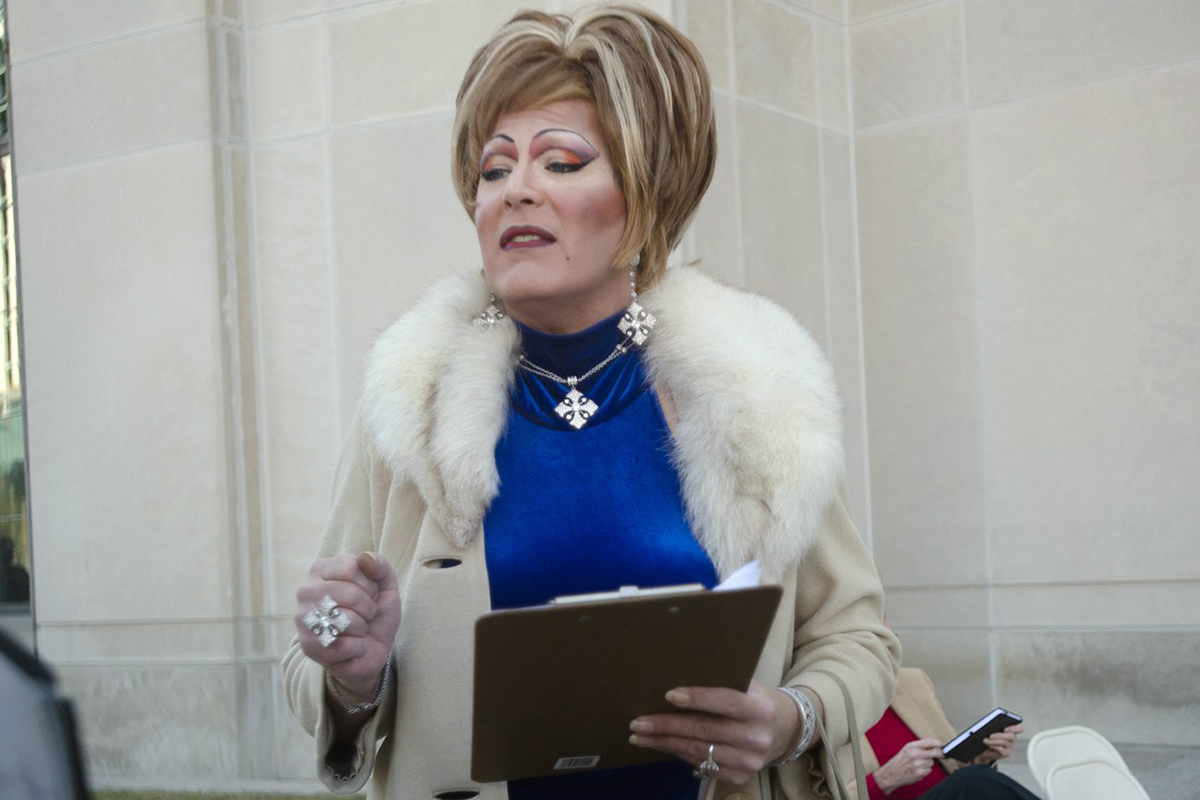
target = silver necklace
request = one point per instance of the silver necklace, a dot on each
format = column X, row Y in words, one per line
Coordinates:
column 577, row 408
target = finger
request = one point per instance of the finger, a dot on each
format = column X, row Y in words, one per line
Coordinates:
column 377, row 568
column 736, row 765
column 722, row 702
column 704, row 728
column 344, row 651
column 344, row 568
column 346, row 595
column 356, row 627
column 925, row 756
column 923, row 748
column 339, row 651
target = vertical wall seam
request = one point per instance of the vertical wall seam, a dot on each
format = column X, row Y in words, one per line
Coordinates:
column 256, row 343
column 339, row 401
column 235, row 424
column 265, row 510
column 984, row 470
column 735, row 128
column 868, row 524
column 822, row 185
column 679, row 11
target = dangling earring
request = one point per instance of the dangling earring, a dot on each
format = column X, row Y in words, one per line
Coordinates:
column 490, row 315
column 636, row 323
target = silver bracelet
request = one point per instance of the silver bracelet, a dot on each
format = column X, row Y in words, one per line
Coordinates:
column 808, row 716
column 359, row 708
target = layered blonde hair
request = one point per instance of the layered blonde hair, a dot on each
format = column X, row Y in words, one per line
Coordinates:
column 653, row 99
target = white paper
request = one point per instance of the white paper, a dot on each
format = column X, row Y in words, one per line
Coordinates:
column 745, row 577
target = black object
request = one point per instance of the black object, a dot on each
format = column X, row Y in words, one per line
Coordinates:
column 40, row 753
column 968, row 744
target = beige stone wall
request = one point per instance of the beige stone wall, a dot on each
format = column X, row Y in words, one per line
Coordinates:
column 1028, row 195
column 132, row 156
column 985, row 212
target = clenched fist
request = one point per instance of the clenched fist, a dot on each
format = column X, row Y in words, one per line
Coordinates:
column 365, row 590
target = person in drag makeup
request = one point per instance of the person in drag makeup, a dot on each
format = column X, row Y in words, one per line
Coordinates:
column 576, row 417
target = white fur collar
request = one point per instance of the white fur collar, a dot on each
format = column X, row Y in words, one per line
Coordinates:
column 758, row 439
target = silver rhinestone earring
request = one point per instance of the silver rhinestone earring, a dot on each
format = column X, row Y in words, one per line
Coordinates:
column 636, row 323
column 490, row 315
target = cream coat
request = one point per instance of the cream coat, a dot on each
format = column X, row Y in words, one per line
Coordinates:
column 758, row 449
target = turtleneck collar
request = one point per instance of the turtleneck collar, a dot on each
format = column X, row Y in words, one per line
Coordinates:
column 569, row 354
column 612, row 388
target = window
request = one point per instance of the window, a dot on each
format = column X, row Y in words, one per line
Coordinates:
column 14, row 531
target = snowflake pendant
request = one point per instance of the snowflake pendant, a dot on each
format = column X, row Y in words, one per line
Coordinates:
column 576, row 408
column 636, row 323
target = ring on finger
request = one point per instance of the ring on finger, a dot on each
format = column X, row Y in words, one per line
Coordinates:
column 327, row 621
column 708, row 767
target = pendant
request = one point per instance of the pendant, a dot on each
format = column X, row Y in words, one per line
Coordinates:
column 576, row 408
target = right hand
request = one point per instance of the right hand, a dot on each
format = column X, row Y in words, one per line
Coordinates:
column 366, row 589
column 911, row 764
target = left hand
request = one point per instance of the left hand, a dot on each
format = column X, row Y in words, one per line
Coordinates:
column 750, row 729
column 999, row 745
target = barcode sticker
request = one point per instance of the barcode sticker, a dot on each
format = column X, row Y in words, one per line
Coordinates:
column 577, row 762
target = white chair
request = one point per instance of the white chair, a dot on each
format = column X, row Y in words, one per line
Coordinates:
column 1092, row 779
column 1072, row 743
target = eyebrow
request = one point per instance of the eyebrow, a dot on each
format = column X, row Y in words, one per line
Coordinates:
column 510, row 140
column 564, row 130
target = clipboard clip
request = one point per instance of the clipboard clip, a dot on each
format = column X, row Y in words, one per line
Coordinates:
column 627, row 593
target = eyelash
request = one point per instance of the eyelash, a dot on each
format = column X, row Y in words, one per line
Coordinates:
column 557, row 167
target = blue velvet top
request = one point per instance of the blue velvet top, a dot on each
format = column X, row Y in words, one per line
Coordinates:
column 589, row 510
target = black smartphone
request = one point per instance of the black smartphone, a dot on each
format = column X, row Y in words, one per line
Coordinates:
column 969, row 744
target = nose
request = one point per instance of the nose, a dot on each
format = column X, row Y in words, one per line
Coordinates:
column 519, row 189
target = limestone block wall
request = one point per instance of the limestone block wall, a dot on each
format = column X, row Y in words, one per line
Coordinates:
column 1028, row 197
column 132, row 145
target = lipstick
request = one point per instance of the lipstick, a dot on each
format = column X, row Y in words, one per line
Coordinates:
column 517, row 236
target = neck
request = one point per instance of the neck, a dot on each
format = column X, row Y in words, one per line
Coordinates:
column 558, row 316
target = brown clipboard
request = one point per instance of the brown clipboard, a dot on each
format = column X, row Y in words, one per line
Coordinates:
column 556, row 686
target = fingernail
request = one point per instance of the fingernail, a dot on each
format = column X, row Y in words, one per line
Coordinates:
column 678, row 697
column 641, row 726
column 638, row 741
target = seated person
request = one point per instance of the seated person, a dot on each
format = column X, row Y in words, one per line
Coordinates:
column 902, row 753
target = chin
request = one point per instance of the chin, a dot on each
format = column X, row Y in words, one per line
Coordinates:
column 527, row 283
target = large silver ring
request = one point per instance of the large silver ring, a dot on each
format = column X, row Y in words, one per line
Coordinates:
column 708, row 767
column 327, row 621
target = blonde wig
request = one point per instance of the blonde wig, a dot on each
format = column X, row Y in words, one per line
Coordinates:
column 652, row 96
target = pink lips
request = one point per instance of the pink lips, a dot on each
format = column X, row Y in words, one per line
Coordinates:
column 541, row 237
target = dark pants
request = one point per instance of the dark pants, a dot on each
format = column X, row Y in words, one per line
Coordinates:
column 978, row 783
